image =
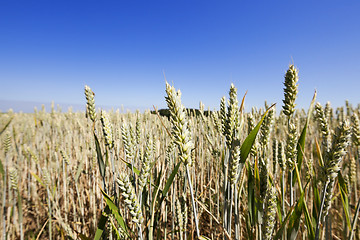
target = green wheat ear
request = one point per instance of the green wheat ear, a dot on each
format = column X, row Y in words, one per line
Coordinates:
column 130, row 199
column 355, row 129
column 232, row 122
column 107, row 129
column 90, row 103
column 234, row 164
column 129, row 141
column 332, row 164
column 328, row 111
column 7, row 143
column 324, row 126
column 281, row 156
column 146, row 162
column 290, row 90
column 14, row 178
column 340, row 143
column 270, row 213
column 223, row 115
column 180, row 130
column 266, row 128
column 355, row 136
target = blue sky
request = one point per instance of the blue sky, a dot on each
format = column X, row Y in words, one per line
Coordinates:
column 50, row 49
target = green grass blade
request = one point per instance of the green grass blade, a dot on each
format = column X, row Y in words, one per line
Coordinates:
column 279, row 210
column 301, row 147
column 2, row 168
column 280, row 232
column 157, row 180
column 38, row 179
column 170, row 179
column 115, row 211
column 256, row 193
column 116, row 230
column 136, row 171
column 102, row 223
column 5, row 127
column 301, row 143
column 316, row 200
column 82, row 236
column 308, row 221
column 100, row 157
column 251, row 195
column 250, row 139
column 294, row 221
column 344, row 198
column 166, row 189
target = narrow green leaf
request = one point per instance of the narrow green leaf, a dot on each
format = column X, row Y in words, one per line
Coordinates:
column 115, row 228
column 2, row 168
column 6, row 125
column 250, row 139
column 294, row 221
column 317, row 200
column 99, row 157
column 82, row 236
column 157, row 180
column 308, row 221
column 102, row 223
column 249, row 228
column 136, row 171
column 301, row 147
column 115, row 211
column 257, row 183
column 156, row 212
column 279, row 233
column 301, row 143
column 166, row 189
column 344, row 198
column 279, row 210
column 251, row 195
column 38, row 179
column 170, row 179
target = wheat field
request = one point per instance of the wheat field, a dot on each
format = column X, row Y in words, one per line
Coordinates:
column 276, row 172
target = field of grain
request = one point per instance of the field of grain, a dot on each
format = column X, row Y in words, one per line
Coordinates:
column 276, row 172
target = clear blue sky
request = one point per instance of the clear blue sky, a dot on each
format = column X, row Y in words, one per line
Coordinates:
column 50, row 49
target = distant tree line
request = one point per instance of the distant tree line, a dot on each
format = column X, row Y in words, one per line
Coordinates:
column 189, row 111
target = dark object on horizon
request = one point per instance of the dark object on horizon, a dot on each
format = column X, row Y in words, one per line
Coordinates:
column 190, row 112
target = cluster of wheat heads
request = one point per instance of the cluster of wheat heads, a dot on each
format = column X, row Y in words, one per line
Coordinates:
column 223, row 174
